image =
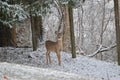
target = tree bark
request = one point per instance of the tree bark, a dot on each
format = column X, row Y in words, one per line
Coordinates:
column 37, row 30
column 72, row 36
column 66, row 30
column 13, row 37
column 34, row 38
column 117, row 24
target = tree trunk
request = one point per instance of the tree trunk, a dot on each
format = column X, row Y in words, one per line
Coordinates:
column 7, row 34
column 37, row 30
column 66, row 30
column 34, row 38
column 72, row 36
column 117, row 24
column 13, row 37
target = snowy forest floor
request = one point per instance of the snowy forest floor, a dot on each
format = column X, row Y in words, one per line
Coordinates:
column 82, row 66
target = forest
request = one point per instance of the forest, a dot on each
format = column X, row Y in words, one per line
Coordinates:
column 59, row 39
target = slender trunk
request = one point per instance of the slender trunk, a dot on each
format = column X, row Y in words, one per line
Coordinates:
column 72, row 36
column 102, row 27
column 66, row 30
column 34, row 39
column 117, row 24
column 37, row 30
column 13, row 37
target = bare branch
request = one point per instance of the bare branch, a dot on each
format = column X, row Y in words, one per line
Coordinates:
column 102, row 50
column 108, row 48
column 107, row 21
column 59, row 8
column 96, row 52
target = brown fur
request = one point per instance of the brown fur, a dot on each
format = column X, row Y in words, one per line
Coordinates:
column 56, row 47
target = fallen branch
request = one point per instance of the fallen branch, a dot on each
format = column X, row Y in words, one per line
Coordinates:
column 96, row 52
column 102, row 50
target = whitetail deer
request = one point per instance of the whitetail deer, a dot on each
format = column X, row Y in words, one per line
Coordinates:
column 54, row 47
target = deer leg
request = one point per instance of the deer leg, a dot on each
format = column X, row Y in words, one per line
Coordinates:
column 58, row 56
column 47, row 54
column 49, row 57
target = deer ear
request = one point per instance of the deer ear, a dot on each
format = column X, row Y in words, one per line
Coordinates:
column 58, row 33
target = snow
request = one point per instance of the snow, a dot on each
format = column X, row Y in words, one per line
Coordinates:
column 20, row 72
column 82, row 65
column 110, row 4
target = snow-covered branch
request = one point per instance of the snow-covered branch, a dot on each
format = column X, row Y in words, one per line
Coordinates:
column 11, row 13
column 8, row 22
column 101, row 49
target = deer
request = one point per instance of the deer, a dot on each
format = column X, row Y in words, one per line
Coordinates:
column 52, row 46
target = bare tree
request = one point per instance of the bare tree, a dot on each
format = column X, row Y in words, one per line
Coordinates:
column 66, row 31
column 117, row 24
column 72, row 36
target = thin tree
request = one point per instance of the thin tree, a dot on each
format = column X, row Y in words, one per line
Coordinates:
column 117, row 24
column 66, row 30
column 72, row 36
column 36, row 12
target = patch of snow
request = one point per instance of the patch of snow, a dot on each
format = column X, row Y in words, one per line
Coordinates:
column 82, row 65
column 21, row 72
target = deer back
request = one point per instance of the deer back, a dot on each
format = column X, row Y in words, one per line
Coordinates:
column 54, row 46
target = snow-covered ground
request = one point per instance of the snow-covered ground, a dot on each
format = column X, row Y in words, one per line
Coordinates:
column 81, row 65
column 21, row 72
